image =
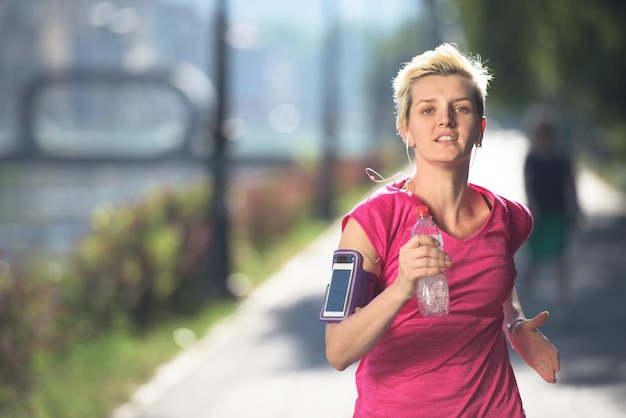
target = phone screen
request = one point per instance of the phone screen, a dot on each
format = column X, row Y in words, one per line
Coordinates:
column 339, row 286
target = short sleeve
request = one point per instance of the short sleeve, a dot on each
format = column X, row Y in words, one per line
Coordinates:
column 382, row 216
column 519, row 223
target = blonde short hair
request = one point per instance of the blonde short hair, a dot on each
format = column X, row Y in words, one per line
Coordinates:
column 446, row 59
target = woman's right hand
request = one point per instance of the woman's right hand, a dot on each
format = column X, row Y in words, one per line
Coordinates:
column 420, row 257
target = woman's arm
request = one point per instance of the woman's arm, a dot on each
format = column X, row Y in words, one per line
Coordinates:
column 352, row 338
column 528, row 341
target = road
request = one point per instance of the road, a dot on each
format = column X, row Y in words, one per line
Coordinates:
column 267, row 360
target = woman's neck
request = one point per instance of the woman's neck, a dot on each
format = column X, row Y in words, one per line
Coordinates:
column 440, row 189
column 450, row 198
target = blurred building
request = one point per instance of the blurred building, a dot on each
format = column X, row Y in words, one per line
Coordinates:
column 101, row 99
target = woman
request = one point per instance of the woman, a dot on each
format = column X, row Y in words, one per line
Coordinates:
column 458, row 365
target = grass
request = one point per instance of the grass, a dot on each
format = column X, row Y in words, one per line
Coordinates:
column 94, row 377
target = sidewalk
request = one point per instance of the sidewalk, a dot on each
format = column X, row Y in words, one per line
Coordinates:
column 268, row 360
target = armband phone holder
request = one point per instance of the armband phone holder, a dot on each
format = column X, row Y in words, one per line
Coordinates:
column 350, row 286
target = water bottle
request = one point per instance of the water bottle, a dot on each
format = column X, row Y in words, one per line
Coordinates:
column 433, row 298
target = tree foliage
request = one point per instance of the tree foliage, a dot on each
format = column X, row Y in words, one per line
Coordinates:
column 570, row 53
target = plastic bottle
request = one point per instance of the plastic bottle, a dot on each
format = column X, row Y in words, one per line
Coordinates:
column 433, row 298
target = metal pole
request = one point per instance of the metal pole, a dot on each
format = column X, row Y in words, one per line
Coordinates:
column 330, row 73
column 219, row 251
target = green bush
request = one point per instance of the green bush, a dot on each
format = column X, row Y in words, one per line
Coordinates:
column 139, row 264
column 29, row 319
column 139, row 259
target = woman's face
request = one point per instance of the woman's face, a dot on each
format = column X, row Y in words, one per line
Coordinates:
column 444, row 123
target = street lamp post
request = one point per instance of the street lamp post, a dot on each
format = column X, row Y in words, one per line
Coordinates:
column 219, row 252
column 330, row 74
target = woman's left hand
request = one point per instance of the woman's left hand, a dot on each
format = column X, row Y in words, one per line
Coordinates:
column 535, row 348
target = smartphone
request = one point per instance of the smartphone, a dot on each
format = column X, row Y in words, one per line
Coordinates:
column 350, row 286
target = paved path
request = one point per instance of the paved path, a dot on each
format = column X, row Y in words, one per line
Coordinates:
column 267, row 360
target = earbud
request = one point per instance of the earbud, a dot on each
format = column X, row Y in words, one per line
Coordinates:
column 371, row 173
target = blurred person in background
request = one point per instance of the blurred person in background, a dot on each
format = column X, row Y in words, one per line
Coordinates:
column 552, row 199
column 456, row 365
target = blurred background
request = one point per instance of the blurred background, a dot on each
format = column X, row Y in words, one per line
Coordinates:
column 159, row 158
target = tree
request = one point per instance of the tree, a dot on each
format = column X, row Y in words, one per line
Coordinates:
column 567, row 52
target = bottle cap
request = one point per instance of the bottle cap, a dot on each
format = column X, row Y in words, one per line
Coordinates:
column 422, row 210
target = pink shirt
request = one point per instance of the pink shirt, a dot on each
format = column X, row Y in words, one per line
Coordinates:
column 456, row 366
